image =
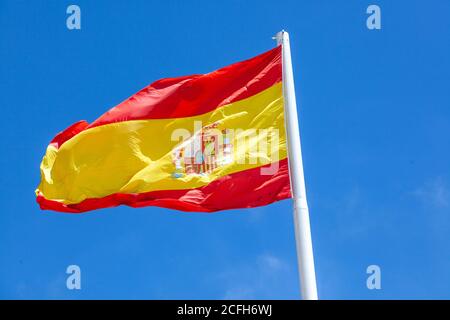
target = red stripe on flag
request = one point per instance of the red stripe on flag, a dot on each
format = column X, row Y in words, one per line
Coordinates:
column 191, row 95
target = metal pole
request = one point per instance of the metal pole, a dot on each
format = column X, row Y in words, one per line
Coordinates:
column 301, row 213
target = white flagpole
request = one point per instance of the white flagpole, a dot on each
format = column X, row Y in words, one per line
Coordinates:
column 301, row 213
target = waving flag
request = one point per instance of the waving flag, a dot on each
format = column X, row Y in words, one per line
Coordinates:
column 196, row 143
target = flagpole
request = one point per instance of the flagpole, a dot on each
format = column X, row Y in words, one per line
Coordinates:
column 303, row 241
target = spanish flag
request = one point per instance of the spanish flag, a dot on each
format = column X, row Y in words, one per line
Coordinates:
column 204, row 142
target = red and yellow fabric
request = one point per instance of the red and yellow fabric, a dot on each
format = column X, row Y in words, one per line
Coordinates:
column 126, row 156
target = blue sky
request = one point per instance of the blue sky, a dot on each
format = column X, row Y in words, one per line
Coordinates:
column 374, row 111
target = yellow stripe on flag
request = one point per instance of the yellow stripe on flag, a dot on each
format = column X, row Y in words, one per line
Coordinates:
column 137, row 156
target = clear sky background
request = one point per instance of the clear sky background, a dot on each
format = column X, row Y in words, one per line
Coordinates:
column 374, row 111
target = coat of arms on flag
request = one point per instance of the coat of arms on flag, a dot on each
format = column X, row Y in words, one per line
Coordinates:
column 204, row 152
